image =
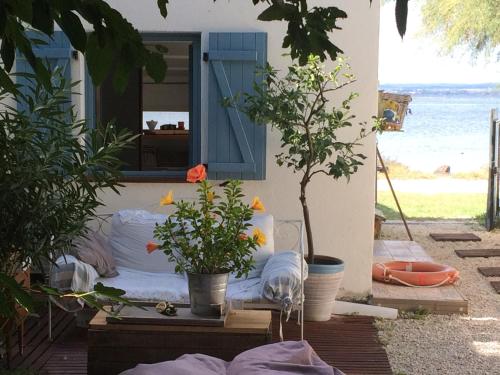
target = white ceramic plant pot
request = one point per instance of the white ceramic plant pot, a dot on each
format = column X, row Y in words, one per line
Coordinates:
column 321, row 287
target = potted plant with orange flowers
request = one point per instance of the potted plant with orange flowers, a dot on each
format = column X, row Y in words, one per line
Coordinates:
column 208, row 239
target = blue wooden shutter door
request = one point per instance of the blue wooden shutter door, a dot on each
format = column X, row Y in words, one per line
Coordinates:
column 236, row 146
column 57, row 52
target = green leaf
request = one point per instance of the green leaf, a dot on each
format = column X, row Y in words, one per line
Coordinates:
column 22, row 297
column 3, row 20
column 121, row 75
column 278, row 12
column 42, row 73
column 162, row 5
column 47, row 290
column 401, row 16
column 43, row 19
column 23, row 9
column 156, row 66
column 7, row 52
column 108, row 291
column 99, row 60
column 72, row 26
column 6, row 82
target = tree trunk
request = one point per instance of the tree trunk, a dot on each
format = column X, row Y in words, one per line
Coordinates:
column 307, row 223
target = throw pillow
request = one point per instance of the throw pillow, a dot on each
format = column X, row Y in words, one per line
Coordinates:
column 94, row 250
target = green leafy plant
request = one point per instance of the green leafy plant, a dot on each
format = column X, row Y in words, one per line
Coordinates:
column 113, row 44
column 297, row 104
column 208, row 236
column 473, row 24
column 52, row 168
column 416, row 314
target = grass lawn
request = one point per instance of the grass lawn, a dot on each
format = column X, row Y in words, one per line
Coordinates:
column 433, row 206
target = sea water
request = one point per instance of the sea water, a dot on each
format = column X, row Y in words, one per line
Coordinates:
column 448, row 125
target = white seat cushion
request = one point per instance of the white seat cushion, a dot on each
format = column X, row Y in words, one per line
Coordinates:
column 149, row 286
column 155, row 286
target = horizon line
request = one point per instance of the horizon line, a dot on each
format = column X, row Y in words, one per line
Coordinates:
column 440, row 83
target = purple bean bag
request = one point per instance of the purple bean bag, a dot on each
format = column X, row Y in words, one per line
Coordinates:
column 286, row 358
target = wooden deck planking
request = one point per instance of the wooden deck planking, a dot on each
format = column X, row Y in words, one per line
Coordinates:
column 454, row 237
column 478, row 253
column 349, row 343
column 489, row 271
column 37, row 346
column 346, row 342
column 495, row 285
column 440, row 300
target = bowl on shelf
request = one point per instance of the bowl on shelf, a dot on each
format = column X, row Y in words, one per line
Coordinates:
column 151, row 124
column 168, row 127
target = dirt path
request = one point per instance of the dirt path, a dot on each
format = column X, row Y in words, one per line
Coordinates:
column 449, row 344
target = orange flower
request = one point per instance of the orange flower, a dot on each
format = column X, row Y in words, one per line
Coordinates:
column 151, row 246
column 257, row 205
column 259, row 237
column 167, row 199
column 243, row 236
column 196, row 174
column 210, row 196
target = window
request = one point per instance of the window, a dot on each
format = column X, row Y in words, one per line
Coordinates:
column 164, row 114
column 235, row 146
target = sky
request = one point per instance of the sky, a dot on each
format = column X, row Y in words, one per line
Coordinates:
column 416, row 59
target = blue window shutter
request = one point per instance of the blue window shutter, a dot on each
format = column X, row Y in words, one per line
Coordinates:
column 90, row 105
column 57, row 52
column 236, row 146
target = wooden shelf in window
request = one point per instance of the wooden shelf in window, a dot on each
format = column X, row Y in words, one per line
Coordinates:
column 165, row 132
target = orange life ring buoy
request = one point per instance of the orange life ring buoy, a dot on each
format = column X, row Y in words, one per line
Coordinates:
column 419, row 274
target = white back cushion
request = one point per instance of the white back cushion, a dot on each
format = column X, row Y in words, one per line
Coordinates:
column 132, row 229
column 265, row 223
column 130, row 232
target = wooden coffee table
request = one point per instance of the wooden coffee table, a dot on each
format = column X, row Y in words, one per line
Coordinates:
column 114, row 347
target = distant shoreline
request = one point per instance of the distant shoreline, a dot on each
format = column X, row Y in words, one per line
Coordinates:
column 401, row 171
column 441, row 84
column 448, row 125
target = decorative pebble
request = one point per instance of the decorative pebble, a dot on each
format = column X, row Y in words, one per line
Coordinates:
column 166, row 308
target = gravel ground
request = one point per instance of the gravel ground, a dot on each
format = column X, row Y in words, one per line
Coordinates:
column 436, row 344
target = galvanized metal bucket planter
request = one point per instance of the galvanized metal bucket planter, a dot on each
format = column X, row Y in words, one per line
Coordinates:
column 207, row 293
column 321, row 287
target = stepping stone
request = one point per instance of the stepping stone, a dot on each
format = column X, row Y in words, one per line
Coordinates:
column 496, row 286
column 454, row 237
column 489, row 271
column 478, row 253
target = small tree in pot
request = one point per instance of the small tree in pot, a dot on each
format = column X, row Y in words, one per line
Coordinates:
column 297, row 104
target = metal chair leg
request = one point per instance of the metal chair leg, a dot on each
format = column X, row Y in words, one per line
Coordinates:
column 50, row 320
column 20, row 338
column 8, row 346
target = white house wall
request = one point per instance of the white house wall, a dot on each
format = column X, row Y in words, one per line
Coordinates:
column 342, row 213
